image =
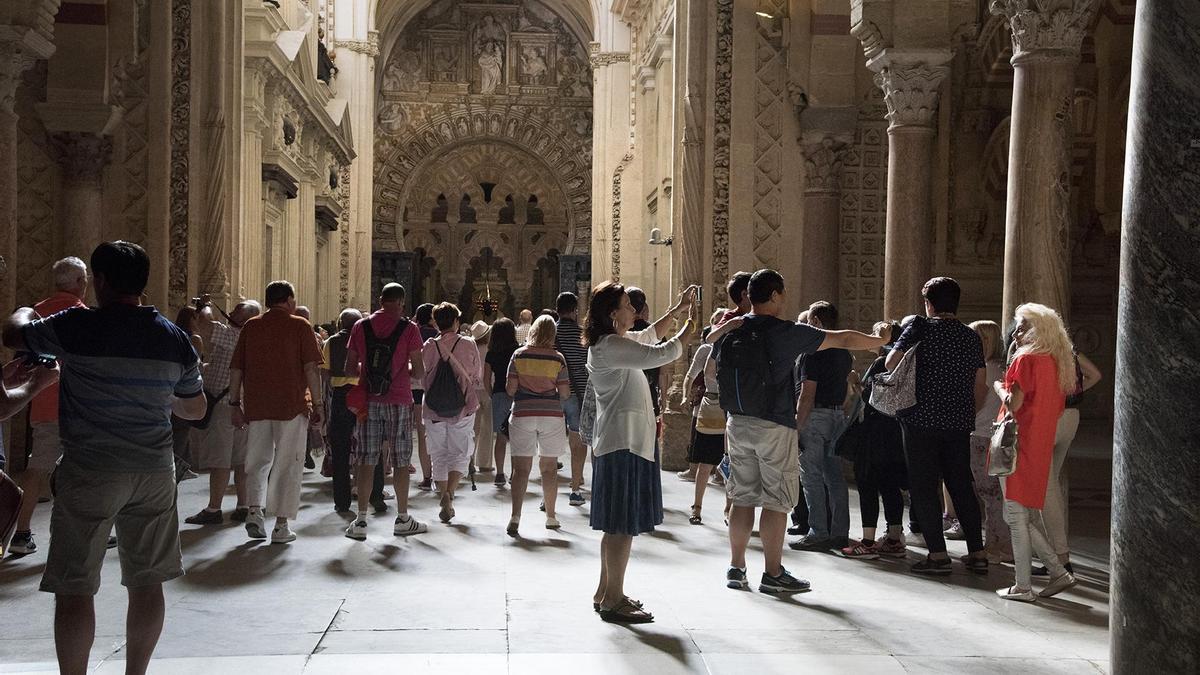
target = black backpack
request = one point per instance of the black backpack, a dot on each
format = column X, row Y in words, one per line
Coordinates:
column 744, row 371
column 444, row 396
column 377, row 361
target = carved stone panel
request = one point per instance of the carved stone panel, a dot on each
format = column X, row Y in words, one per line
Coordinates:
column 863, row 215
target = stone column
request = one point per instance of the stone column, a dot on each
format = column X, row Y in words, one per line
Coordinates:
column 356, row 77
column 819, row 244
column 690, row 191
column 1156, row 484
column 82, row 157
column 1037, row 256
column 910, row 80
column 19, row 47
column 610, row 147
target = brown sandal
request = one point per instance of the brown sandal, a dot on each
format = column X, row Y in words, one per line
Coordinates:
column 626, row 612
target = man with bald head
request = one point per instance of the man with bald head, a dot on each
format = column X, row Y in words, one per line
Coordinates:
column 524, row 322
column 220, row 447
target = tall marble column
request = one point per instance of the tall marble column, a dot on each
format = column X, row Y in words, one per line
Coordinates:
column 611, row 139
column 819, row 244
column 910, row 80
column 1037, row 256
column 82, row 157
column 356, row 73
column 1155, row 579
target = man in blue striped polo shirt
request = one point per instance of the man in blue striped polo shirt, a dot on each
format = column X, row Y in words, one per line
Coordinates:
column 125, row 369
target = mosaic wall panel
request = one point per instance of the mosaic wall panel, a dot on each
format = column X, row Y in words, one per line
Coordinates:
column 864, row 213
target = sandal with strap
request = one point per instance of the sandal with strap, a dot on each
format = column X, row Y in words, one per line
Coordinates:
column 635, row 603
column 695, row 517
column 626, row 612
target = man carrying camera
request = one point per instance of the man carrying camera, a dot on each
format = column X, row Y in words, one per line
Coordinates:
column 70, row 283
column 220, row 447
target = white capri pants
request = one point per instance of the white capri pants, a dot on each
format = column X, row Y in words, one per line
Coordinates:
column 450, row 445
column 275, row 464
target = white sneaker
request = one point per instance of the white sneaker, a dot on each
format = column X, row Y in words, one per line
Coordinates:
column 357, row 529
column 282, row 534
column 406, row 525
column 255, row 528
column 553, row 524
column 1011, row 593
column 686, row 475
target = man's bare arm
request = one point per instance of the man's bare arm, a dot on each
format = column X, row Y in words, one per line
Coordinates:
column 12, row 330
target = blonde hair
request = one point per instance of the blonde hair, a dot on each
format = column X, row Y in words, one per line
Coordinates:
column 1046, row 334
column 543, row 332
column 989, row 332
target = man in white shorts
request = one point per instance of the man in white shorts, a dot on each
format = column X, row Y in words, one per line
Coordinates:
column 756, row 358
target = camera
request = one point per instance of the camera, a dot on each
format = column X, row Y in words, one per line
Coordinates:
column 33, row 360
column 201, row 302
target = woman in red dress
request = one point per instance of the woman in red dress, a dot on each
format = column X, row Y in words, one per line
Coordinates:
column 1034, row 391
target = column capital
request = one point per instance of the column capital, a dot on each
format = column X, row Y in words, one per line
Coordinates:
column 1048, row 28
column 823, row 153
column 20, row 46
column 910, row 80
column 82, row 156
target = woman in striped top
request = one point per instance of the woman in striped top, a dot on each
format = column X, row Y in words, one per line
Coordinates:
column 538, row 383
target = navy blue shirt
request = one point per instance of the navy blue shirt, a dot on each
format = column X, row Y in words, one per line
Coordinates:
column 948, row 357
column 788, row 342
column 121, row 367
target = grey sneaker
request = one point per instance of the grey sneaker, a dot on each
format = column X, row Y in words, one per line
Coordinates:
column 23, row 544
column 576, row 499
column 255, row 528
column 1058, row 585
column 736, row 579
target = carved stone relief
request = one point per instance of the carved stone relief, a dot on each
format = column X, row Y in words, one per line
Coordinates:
column 722, row 132
column 1046, row 25
column 770, row 85
column 863, row 214
column 181, row 77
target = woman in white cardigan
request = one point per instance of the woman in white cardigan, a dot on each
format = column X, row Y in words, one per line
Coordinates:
column 626, row 480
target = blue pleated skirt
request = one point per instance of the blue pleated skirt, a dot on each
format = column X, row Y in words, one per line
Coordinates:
column 626, row 493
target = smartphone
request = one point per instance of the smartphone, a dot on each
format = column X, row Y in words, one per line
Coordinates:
column 33, row 360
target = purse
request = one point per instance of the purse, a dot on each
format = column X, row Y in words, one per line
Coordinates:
column 896, row 391
column 1002, row 450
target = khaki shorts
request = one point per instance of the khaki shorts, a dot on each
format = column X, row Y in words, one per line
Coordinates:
column 220, row 446
column 764, row 464
column 537, row 435
column 47, row 448
column 86, row 506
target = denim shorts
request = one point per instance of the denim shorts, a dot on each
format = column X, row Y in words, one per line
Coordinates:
column 571, row 412
column 501, row 408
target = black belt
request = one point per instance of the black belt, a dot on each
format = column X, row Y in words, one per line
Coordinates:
column 828, row 406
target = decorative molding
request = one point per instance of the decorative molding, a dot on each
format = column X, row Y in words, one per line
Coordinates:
column 344, row 254
column 181, row 101
column 910, row 89
column 282, row 178
column 369, row 47
column 213, row 275
column 615, row 236
column 1048, row 28
column 722, row 134
column 602, row 59
column 870, row 36
column 327, row 213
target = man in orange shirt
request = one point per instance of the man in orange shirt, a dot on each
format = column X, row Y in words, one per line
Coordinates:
column 275, row 367
column 70, row 282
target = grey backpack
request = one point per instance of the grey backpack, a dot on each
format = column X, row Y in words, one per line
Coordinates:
column 894, row 392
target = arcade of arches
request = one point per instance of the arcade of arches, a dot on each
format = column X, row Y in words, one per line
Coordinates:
column 516, row 148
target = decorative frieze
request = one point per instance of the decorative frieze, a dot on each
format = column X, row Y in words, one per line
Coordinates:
column 181, row 101
column 370, row 46
column 722, row 133
column 1046, row 28
column 615, row 236
column 823, row 155
column 603, row 59
column 771, row 101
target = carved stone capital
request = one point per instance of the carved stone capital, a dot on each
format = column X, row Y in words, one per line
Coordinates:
column 82, row 156
column 823, row 153
column 1046, row 28
column 602, row 59
column 20, row 46
column 910, row 86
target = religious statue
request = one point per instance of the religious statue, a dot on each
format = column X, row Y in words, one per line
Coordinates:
column 392, row 118
column 533, row 64
column 490, row 65
column 403, row 71
column 488, row 33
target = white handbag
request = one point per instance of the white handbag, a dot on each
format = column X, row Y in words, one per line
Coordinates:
column 1002, row 450
column 896, row 391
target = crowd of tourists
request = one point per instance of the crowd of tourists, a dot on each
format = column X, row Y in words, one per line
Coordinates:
column 779, row 411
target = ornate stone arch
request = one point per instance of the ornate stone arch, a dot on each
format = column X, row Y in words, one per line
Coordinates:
column 538, row 131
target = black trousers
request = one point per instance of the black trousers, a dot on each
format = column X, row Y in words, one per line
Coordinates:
column 934, row 456
column 340, row 431
column 877, row 482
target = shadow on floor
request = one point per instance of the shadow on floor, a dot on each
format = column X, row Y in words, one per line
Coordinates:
column 247, row 563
